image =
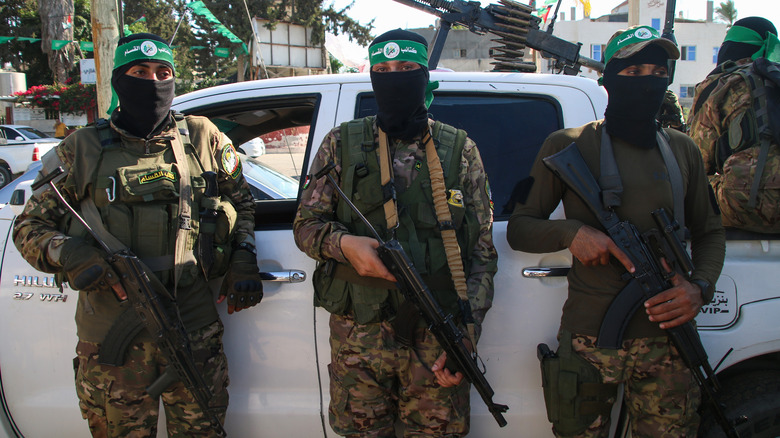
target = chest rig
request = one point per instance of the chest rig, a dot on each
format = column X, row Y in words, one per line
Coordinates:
column 338, row 287
column 137, row 194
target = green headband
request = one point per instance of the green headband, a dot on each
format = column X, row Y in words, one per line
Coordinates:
column 400, row 50
column 629, row 37
column 769, row 48
column 144, row 50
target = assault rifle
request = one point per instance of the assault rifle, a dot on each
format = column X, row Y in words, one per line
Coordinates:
column 649, row 279
column 151, row 301
column 515, row 27
column 440, row 324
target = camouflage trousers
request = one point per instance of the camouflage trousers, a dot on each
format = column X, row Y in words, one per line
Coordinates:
column 114, row 401
column 660, row 393
column 375, row 382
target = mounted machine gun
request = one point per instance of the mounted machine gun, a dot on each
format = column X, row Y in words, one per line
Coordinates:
column 513, row 25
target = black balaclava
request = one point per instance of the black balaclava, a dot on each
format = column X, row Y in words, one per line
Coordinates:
column 144, row 105
column 400, row 96
column 633, row 101
column 734, row 51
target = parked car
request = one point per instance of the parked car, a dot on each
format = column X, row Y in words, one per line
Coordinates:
column 19, row 146
column 252, row 148
column 278, row 351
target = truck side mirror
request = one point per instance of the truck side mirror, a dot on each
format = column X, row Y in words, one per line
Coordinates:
column 19, row 198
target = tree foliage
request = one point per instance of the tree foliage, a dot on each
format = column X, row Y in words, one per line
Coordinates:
column 195, row 38
column 727, row 12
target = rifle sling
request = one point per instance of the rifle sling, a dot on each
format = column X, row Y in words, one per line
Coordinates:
column 450, row 239
column 386, row 175
column 612, row 186
column 182, row 256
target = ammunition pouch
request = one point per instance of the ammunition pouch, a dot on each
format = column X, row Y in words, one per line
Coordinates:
column 222, row 229
column 574, row 394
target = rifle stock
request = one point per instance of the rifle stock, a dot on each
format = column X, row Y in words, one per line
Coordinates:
column 442, row 325
column 649, row 278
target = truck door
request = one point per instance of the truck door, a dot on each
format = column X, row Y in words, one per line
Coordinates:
column 508, row 120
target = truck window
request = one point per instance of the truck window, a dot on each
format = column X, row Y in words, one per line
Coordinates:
column 509, row 129
column 271, row 136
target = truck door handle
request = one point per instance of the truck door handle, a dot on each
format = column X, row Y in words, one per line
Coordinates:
column 538, row 272
column 289, row 276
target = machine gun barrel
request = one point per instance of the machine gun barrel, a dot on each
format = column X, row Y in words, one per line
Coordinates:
column 515, row 27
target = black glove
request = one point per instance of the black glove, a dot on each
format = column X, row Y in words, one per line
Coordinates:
column 85, row 266
column 242, row 284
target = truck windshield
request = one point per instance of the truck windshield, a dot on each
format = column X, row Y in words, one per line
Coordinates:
column 32, row 133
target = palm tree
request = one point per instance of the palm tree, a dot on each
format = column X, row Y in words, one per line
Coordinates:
column 727, row 12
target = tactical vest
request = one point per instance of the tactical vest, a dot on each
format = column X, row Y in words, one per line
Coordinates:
column 747, row 154
column 137, row 196
column 369, row 300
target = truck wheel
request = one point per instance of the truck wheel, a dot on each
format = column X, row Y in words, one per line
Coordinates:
column 753, row 397
column 5, row 176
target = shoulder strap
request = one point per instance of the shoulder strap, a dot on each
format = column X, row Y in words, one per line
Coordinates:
column 448, row 235
column 181, row 255
column 357, row 137
column 725, row 69
column 758, row 95
column 612, row 185
column 388, row 185
column 449, row 143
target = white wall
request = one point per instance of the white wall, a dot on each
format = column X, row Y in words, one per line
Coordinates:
column 702, row 35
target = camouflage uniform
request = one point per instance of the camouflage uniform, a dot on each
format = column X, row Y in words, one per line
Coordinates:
column 373, row 379
column 40, row 232
column 662, row 398
column 719, row 116
column 113, row 399
column 647, row 363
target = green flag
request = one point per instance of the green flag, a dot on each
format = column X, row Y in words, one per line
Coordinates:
column 28, row 39
column 87, row 46
column 58, row 44
column 200, row 8
column 222, row 52
column 5, row 39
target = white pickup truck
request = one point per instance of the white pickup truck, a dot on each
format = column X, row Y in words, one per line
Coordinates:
column 278, row 351
column 19, row 146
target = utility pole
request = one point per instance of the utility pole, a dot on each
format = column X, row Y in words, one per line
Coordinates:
column 105, row 34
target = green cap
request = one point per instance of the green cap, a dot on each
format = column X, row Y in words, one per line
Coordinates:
column 398, row 50
column 768, row 47
column 626, row 43
column 143, row 49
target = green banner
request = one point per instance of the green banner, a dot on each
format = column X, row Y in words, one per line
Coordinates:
column 200, row 8
column 88, row 46
column 58, row 44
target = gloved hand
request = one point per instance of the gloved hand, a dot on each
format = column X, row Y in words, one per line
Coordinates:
column 85, row 267
column 242, row 285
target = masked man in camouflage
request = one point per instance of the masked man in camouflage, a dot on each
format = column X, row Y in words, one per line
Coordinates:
column 736, row 109
column 660, row 393
column 129, row 171
column 376, row 377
